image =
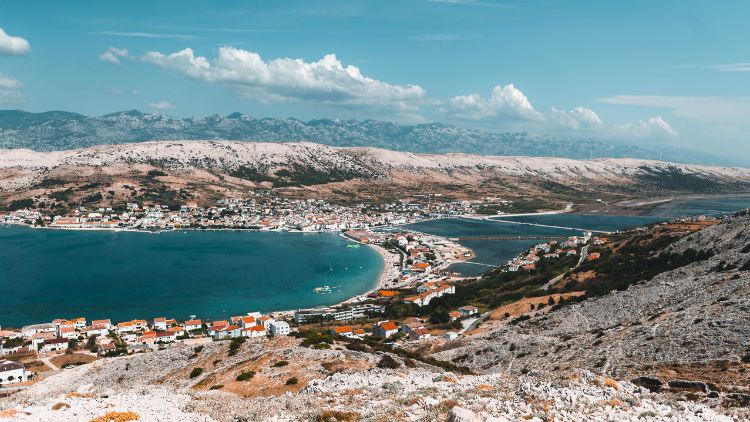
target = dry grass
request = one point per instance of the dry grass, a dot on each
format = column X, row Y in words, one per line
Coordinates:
column 336, row 416
column 609, row 382
column 74, row 359
column 117, row 417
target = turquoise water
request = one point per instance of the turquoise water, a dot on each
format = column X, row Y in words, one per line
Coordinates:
column 46, row 274
column 498, row 252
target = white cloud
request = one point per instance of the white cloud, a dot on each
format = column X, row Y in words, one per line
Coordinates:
column 577, row 118
column 437, row 37
column 147, row 35
column 505, row 102
column 13, row 46
column 114, row 54
column 326, row 80
column 10, row 89
column 655, row 127
column 712, row 109
column 732, row 67
column 161, row 105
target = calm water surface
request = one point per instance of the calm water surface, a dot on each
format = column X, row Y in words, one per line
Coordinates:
column 46, row 274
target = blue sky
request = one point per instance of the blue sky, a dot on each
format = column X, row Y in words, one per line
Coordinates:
column 670, row 73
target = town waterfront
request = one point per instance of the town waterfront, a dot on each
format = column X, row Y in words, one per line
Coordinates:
column 46, row 273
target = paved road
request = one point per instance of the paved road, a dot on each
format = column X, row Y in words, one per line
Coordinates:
column 584, row 254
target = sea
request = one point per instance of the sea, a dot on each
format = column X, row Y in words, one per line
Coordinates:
column 47, row 274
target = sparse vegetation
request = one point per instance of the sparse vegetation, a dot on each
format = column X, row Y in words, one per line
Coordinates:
column 196, row 372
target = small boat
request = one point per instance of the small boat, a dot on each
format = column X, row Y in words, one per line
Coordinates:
column 323, row 289
column 353, row 245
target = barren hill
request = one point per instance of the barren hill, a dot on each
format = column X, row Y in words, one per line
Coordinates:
column 210, row 167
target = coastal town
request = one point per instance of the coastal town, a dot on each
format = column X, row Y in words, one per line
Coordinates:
column 416, row 272
column 258, row 211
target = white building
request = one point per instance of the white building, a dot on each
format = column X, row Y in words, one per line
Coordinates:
column 279, row 328
column 30, row 330
column 12, row 372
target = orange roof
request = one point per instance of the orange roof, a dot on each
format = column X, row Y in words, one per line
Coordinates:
column 255, row 328
column 358, row 331
column 342, row 329
column 160, row 319
column 100, row 322
column 388, row 326
column 149, row 334
column 193, row 322
column 454, row 314
column 248, row 319
column 421, row 265
column 387, row 293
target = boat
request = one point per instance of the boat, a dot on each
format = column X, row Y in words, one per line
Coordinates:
column 323, row 289
column 353, row 245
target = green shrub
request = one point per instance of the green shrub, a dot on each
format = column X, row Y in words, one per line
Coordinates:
column 280, row 364
column 217, row 387
column 196, row 372
column 245, row 375
column 292, row 381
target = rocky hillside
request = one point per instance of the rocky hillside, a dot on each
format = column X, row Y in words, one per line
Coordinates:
column 689, row 323
column 52, row 131
column 342, row 173
column 330, row 385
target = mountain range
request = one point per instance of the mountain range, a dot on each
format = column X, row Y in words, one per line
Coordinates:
column 59, row 130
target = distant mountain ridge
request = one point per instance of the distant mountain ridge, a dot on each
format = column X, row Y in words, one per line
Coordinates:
column 59, row 130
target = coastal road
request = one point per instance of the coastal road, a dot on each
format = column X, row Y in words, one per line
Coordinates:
column 584, row 254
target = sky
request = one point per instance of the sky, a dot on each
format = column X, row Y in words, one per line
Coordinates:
column 652, row 73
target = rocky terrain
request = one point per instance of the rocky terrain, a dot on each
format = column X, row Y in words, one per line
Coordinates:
column 688, row 324
column 58, row 130
column 333, row 385
column 367, row 173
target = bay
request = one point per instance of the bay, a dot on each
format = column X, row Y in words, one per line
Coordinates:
column 46, row 274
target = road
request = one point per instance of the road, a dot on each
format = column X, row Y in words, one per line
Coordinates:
column 584, row 254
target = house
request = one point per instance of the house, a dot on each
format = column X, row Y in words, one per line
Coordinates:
column 79, row 323
column 279, row 328
column 468, row 310
column 30, row 330
column 344, row 330
column 107, row 347
column 125, row 327
column 68, row 333
column 160, row 324
column 103, row 323
column 165, row 337
column 415, row 332
column 149, row 337
column 384, row 329
column 450, row 335
column 12, row 372
column 55, row 345
column 254, row 331
column 247, row 321
column 193, row 324
column 265, row 321
column 419, row 333
column 176, row 330
column 40, row 338
column 454, row 315
column 229, row 331
column 593, row 255
column 217, row 326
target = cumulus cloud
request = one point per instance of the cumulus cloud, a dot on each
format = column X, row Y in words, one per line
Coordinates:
column 326, row 80
column 114, row 54
column 578, row 118
column 161, row 105
column 10, row 89
column 655, row 127
column 505, row 102
column 13, row 46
